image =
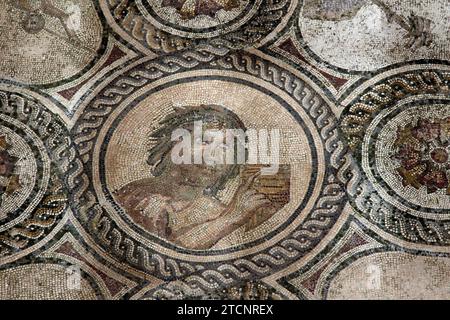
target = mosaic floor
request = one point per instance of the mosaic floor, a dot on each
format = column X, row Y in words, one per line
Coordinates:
column 94, row 206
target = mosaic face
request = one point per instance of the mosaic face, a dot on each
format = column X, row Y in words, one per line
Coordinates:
column 364, row 35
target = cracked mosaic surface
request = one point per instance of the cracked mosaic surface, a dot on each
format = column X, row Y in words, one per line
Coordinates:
column 92, row 206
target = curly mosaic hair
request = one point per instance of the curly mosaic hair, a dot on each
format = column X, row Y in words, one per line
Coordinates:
column 184, row 118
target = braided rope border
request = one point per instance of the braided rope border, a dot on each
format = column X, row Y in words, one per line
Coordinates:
column 208, row 275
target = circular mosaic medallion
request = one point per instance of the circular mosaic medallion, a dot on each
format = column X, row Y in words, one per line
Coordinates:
column 170, row 25
column 135, row 185
column 45, row 42
column 399, row 132
column 200, row 19
column 33, row 151
column 144, row 205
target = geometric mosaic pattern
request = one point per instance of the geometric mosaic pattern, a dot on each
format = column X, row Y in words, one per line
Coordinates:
column 91, row 207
